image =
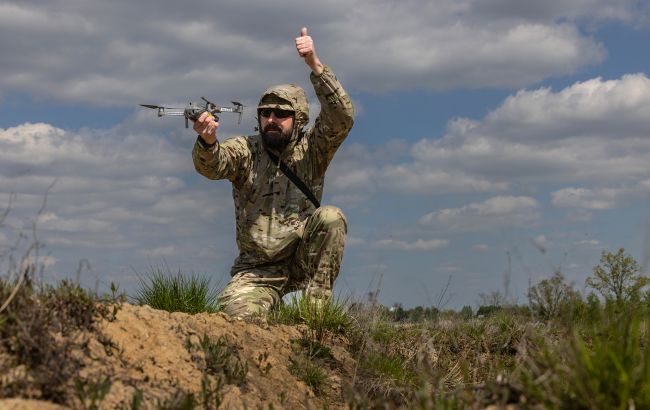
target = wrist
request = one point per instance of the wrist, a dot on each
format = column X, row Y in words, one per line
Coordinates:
column 315, row 65
column 204, row 144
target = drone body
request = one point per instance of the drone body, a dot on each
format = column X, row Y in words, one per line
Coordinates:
column 193, row 110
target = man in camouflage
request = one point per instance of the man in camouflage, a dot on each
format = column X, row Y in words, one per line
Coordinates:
column 285, row 242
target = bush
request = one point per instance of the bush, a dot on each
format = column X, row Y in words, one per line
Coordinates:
column 163, row 290
column 40, row 329
column 550, row 297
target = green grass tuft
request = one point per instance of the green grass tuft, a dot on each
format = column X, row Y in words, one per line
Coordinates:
column 164, row 290
column 311, row 372
column 319, row 316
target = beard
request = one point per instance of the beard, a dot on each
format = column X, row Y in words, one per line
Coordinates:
column 275, row 138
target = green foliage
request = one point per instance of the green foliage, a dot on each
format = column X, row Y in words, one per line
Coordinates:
column 487, row 310
column 164, row 290
column 415, row 315
column 466, row 312
column 551, row 297
column 606, row 367
column 320, row 316
column 390, row 368
column 618, row 277
column 310, row 372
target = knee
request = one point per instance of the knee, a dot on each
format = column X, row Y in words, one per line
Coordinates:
column 331, row 217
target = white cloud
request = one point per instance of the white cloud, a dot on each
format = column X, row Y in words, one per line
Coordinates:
column 112, row 56
column 496, row 212
column 586, row 198
column 419, row 245
column 591, row 131
column 109, row 191
column 601, row 198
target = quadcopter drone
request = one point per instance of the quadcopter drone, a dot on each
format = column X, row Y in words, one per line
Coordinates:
column 193, row 110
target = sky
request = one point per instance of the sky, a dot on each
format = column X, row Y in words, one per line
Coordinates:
column 495, row 141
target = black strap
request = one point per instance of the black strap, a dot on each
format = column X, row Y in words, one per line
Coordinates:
column 294, row 178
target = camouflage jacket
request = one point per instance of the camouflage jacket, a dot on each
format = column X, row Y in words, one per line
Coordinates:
column 270, row 210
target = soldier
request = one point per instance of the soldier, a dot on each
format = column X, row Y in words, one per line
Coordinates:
column 286, row 240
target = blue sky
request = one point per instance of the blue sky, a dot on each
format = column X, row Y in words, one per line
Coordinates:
column 495, row 140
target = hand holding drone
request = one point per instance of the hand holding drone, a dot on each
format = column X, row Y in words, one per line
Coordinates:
column 193, row 110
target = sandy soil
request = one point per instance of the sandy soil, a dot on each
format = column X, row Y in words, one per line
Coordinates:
column 149, row 350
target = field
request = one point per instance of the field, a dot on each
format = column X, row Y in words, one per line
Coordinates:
column 169, row 347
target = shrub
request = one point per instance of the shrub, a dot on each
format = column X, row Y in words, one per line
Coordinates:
column 618, row 277
column 550, row 297
column 40, row 329
column 161, row 289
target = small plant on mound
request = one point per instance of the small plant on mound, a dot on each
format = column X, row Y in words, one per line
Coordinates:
column 164, row 290
column 320, row 316
column 219, row 358
column 310, row 372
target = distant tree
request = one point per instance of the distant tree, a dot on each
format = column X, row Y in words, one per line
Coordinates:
column 495, row 298
column 618, row 277
column 550, row 296
column 466, row 312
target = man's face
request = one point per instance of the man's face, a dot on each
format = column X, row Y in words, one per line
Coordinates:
column 276, row 127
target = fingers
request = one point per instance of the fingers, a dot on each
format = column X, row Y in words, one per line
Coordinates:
column 304, row 43
column 206, row 126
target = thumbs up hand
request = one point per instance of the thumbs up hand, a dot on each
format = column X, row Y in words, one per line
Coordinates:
column 306, row 50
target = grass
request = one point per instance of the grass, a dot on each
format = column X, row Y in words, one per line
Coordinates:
column 563, row 351
column 310, row 372
column 177, row 292
column 319, row 316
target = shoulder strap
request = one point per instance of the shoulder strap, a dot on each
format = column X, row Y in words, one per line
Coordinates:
column 294, row 178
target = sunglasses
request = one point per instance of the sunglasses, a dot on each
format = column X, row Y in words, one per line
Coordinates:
column 266, row 112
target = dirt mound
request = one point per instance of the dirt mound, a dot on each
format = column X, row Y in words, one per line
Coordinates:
column 162, row 359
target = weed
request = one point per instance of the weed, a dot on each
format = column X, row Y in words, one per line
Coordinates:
column 220, row 358
column 310, row 372
column 164, row 290
column 91, row 394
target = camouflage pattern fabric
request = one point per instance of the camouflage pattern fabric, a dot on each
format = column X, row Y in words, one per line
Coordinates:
column 278, row 251
column 314, row 268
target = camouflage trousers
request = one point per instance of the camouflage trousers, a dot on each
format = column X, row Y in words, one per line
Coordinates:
column 314, row 268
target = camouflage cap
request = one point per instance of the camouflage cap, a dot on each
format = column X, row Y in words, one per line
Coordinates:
column 274, row 101
column 287, row 97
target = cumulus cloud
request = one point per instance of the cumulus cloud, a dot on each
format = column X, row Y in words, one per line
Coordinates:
column 586, row 198
column 493, row 213
column 591, row 133
column 83, row 51
column 594, row 130
column 601, row 198
column 105, row 190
